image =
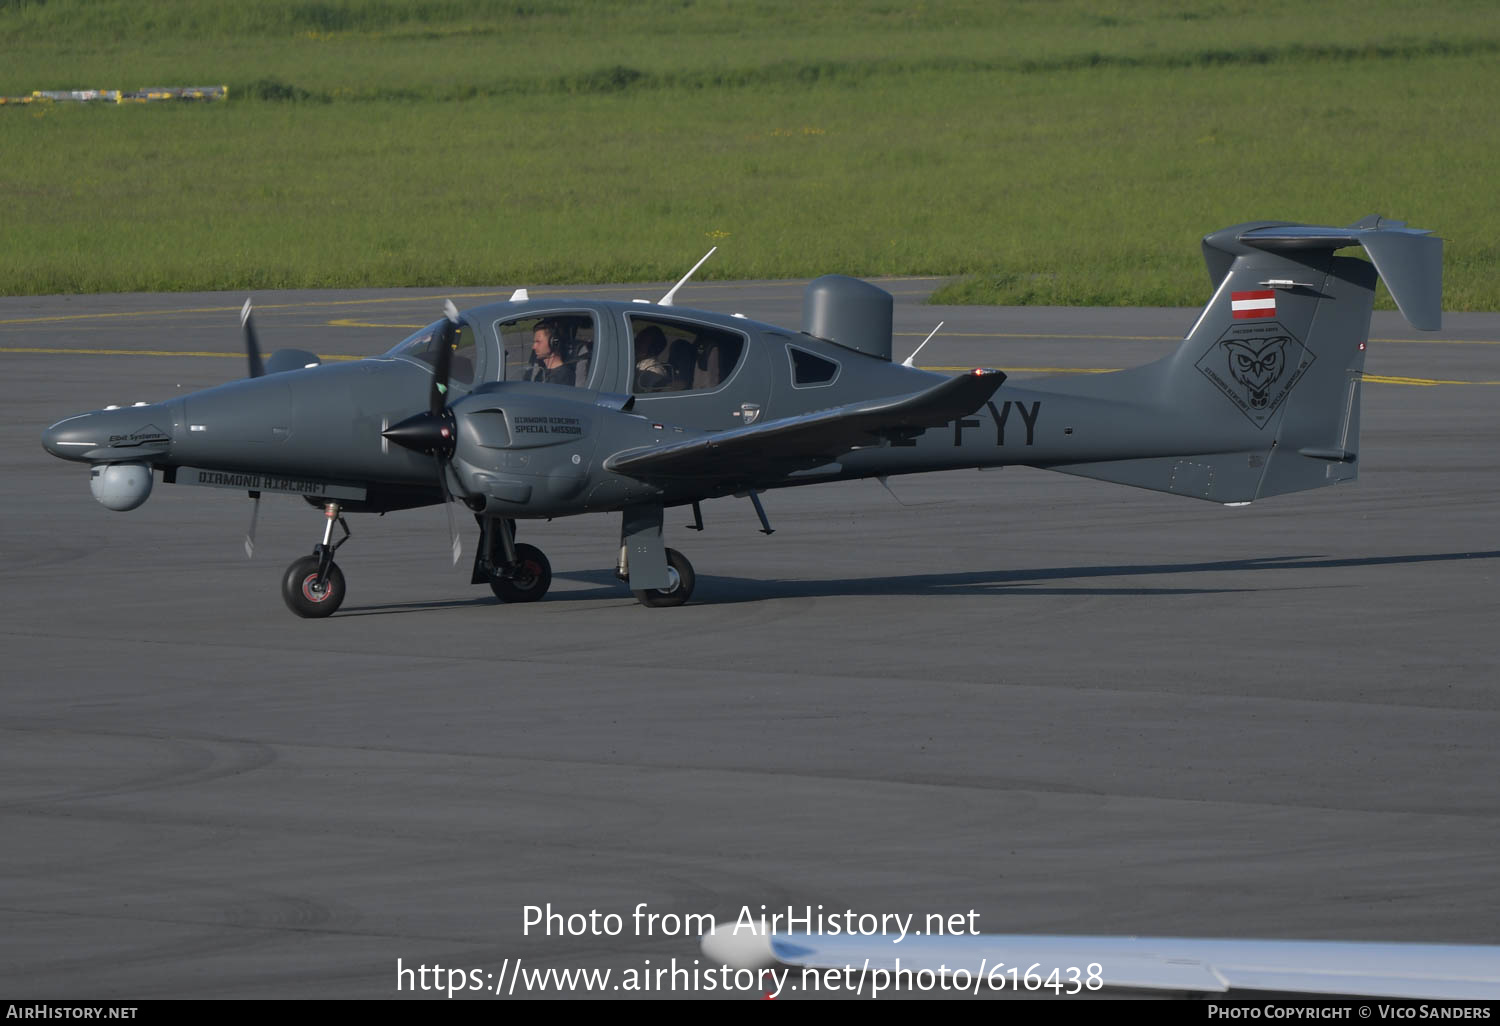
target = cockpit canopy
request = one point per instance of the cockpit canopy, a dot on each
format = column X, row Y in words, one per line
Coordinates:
column 420, row 345
column 618, row 348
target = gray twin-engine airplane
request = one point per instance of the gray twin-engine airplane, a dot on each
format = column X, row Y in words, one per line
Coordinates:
column 541, row 408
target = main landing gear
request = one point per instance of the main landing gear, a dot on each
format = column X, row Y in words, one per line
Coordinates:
column 515, row 573
column 679, row 584
column 657, row 576
column 313, row 586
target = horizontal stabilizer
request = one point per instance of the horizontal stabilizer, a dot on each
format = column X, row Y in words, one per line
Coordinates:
column 1410, row 260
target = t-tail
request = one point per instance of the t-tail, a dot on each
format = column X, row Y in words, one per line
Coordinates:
column 1262, row 397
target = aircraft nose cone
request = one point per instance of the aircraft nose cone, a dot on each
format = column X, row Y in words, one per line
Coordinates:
column 124, row 433
column 69, row 439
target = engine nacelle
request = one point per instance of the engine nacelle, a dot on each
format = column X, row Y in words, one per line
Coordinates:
column 291, row 359
column 120, row 486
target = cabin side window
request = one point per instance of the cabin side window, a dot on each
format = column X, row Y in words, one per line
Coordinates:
column 809, row 370
column 557, row 348
column 681, row 356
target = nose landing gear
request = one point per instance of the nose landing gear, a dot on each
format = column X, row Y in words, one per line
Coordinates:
column 514, row 572
column 313, row 586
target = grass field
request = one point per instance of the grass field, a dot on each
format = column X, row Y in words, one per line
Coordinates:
column 1044, row 152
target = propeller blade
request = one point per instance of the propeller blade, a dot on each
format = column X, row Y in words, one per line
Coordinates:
column 456, row 545
column 434, row 432
column 447, row 334
column 252, row 346
column 250, row 534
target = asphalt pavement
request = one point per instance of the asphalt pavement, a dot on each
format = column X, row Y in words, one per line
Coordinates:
column 1063, row 705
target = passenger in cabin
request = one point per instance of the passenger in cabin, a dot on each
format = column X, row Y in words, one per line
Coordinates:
column 652, row 372
column 706, row 372
column 682, row 359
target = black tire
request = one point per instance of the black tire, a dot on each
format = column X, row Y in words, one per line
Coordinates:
column 531, row 581
column 680, row 592
column 300, row 595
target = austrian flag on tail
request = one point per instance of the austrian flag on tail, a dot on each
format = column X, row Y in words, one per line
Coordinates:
column 1261, row 303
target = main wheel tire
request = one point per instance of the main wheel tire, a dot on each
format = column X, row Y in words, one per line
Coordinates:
column 531, row 581
column 680, row 574
column 303, row 597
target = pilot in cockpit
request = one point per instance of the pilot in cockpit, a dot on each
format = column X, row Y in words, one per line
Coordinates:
column 552, row 359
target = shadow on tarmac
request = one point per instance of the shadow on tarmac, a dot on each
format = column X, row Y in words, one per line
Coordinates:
column 712, row 590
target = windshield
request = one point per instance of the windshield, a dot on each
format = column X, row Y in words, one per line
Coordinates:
column 419, row 346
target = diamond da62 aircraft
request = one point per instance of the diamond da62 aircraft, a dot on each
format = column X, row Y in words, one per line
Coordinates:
column 540, row 408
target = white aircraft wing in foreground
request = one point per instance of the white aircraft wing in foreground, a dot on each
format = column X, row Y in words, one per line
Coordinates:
column 1171, row 964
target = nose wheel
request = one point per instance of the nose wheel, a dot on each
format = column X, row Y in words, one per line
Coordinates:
column 313, row 586
column 309, row 593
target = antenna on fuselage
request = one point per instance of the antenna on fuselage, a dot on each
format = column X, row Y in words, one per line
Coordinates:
column 907, row 362
column 667, row 299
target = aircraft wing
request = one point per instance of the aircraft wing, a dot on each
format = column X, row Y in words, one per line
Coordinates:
column 779, row 447
column 1177, row 964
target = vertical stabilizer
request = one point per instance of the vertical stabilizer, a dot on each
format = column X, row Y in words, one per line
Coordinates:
column 1264, row 392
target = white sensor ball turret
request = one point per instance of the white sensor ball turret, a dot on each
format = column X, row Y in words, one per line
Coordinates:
column 120, row 486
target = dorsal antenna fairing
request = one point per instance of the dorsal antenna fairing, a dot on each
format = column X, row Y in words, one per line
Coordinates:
column 667, row 299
